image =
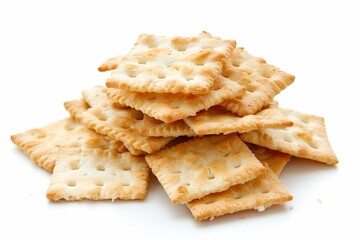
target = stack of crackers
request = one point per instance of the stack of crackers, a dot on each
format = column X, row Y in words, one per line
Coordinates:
column 197, row 112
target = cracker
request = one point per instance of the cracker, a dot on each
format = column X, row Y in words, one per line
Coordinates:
column 218, row 120
column 156, row 128
column 274, row 159
column 264, row 191
column 307, row 138
column 110, row 64
column 204, row 165
column 169, row 107
column 171, row 65
column 45, row 145
column 98, row 175
column 262, row 81
column 116, row 123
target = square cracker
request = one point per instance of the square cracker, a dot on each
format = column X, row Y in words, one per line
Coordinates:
column 218, row 120
column 307, row 138
column 99, row 114
column 169, row 107
column 260, row 193
column 171, row 65
column 274, row 159
column 262, row 81
column 156, row 128
column 45, row 145
column 98, row 175
column 204, row 165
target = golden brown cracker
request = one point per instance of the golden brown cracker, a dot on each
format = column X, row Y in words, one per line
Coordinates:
column 204, row 165
column 171, row 65
column 45, row 145
column 218, row 120
column 262, row 81
column 307, row 138
column 98, row 175
column 169, row 107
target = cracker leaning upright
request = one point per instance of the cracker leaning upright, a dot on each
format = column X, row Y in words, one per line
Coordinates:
column 171, row 65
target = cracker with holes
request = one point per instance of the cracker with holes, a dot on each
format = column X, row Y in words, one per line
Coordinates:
column 171, row 65
column 97, row 113
column 45, row 145
column 262, row 81
column 264, row 191
column 218, row 120
column 169, row 107
column 98, row 175
column 204, row 165
column 307, row 138
column 156, row 128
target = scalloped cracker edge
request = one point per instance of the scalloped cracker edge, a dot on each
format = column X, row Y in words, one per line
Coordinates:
column 307, row 138
column 99, row 175
column 204, row 165
column 171, row 65
column 47, row 144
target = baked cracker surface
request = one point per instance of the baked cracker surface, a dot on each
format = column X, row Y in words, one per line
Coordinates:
column 307, row 138
column 47, row 144
column 218, row 120
column 171, row 65
column 204, row 165
column 99, row 114
column 169, row 107
column 98, row 175
column 264, row 191
column 262, row 81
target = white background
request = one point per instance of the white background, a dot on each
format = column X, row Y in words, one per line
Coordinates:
column 50, row 51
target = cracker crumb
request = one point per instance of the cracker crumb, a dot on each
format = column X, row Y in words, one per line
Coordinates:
column 261, row 208
column 212, row 218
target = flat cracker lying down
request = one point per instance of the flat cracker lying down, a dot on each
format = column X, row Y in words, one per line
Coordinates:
column 264, row 191
column 169, row 107
column 218, row 120
column 47, row 144
column 262, row 81
column 98, row 175
column 117, row 123
column 171, row 65
column 204, row 165
column 307, row 138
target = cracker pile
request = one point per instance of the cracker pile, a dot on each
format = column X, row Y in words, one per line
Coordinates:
column 197, row 112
